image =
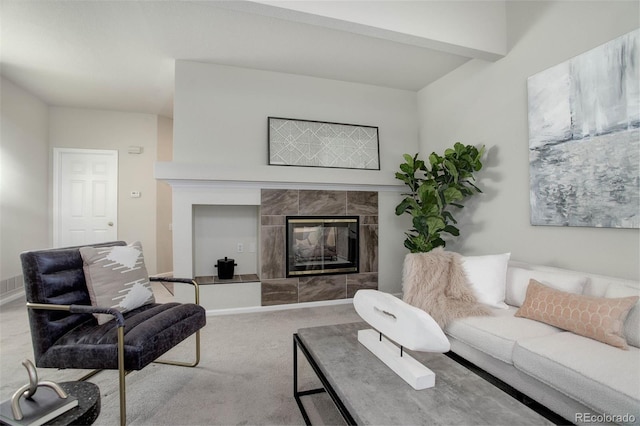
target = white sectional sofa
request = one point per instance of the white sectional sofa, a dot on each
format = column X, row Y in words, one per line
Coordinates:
column 581, row 379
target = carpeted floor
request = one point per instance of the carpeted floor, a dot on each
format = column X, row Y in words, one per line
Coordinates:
column 245, row 376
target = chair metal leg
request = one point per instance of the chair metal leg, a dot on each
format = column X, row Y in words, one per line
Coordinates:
column 181, row 363
column 196, row 288
column 121, row 384
column 89, row 375
column 122, row 373
column 121, row 377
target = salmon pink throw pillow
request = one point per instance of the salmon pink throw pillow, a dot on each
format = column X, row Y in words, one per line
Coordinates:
column 598, row 318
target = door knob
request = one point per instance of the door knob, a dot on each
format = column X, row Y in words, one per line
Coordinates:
column 110, row 223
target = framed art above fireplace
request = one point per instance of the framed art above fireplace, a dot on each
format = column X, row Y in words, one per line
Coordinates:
column 308, row 143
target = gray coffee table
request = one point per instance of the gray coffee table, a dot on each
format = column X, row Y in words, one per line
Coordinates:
column 366, row 391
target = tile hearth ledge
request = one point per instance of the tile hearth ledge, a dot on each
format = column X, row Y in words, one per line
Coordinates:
column 277, row 177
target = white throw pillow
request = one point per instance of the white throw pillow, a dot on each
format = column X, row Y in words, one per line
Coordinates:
column 632, row 323
column 488, row 277
column 518, row 281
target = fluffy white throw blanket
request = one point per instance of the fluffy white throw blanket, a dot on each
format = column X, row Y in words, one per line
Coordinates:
column 437, row 283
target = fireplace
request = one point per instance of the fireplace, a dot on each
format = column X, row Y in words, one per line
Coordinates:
column 322, row 245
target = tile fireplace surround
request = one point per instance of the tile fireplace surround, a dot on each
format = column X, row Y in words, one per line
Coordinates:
column 275, row 205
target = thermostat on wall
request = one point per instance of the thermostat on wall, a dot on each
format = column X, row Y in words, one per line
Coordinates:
column 135, row 194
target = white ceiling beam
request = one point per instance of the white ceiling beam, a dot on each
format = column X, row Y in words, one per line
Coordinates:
column 474, row 29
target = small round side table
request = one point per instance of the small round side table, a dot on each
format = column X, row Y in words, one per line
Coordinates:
column 88, row 408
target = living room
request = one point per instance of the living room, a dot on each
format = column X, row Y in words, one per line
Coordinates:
column 216, row 132
column 481, row 102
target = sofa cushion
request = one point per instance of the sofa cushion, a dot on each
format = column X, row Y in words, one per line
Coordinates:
column 496, row 335
column 488, row 277
column 518, row 281
column 594, row 317
column 597, row 375
column 632, row 323
column 116, row 278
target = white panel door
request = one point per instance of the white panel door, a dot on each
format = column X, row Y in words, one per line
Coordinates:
column 85, row 196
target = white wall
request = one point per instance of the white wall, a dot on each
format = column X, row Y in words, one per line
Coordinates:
column 220, row 119
column 221, row 115
column 96, row 129
column 486, row 103
column 164, row 234
column 24, row 177
column 217, row 232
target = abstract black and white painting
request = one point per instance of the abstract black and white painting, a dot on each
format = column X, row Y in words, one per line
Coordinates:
column 584, row 139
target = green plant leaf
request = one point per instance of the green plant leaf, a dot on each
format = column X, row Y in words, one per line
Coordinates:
column 407, row 168
column 432, row 207
column 452, row 194
column 409, row 244
column 451, row 168
column 435, row 223
column 403, row 177
column 434, row 159
column 406, row 205
column 475, row 187
column 421, row 224
column 426, row 189
column 450, row 229
column 448, row 217
column 438, row 242
column 409, row 159
column 479, row 154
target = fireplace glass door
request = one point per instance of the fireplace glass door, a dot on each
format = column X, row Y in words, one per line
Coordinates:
column 322, row 245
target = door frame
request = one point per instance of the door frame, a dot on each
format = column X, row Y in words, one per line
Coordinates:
column 57, row 155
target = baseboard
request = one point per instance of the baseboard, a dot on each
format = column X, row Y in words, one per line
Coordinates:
column 10, row 297
column 254, row 309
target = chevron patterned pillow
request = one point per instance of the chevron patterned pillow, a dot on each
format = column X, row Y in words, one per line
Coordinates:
column 116, row 278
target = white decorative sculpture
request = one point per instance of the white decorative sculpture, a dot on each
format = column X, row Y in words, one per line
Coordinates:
column 406, row 325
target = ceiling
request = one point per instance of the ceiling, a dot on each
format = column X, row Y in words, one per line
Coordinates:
column 120, row 55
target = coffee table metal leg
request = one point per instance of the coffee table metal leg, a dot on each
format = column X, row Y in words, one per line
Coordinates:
column 297, row 343
column 296, row 393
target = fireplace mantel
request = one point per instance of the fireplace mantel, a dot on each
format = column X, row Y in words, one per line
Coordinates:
column 201, row 184
column 202, row 176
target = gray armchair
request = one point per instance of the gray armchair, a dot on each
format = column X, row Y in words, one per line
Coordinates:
column 65, row 334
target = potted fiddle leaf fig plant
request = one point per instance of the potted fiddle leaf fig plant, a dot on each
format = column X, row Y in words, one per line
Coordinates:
column 433, row 189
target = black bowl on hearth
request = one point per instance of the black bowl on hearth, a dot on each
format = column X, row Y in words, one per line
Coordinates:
column 225, row 268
